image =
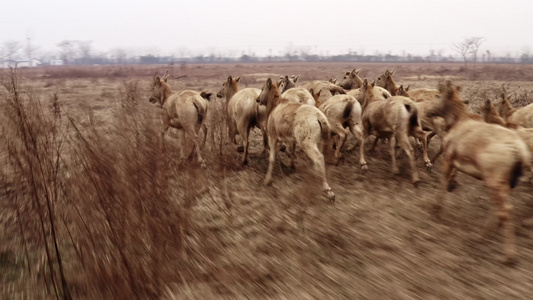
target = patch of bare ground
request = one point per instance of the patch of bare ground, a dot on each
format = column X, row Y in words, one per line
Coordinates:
column 134, row 222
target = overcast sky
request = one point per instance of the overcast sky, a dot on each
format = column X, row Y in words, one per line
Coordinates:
column 232, row 27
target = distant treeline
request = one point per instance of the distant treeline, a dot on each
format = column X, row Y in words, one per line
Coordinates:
column 201, row 59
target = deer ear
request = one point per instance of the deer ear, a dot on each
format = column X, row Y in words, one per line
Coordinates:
column 286, row 78
column 296, row 78
column 318, row 94
column 206, row 96
column 230, row 79
column 365, row 83
column 373, row 83
column 357, row 72
column 157, row 81
column 269, row 83
column 407, row 88
column 237, row 79
column 392, row 73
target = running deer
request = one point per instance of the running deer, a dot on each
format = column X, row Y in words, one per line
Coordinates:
column 488, row 152
column 294, row 123
column 185, row 110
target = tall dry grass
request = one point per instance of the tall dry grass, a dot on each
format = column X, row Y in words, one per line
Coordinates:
column 93, row 211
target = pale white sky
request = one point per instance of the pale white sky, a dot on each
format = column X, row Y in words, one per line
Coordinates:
column 233, row 26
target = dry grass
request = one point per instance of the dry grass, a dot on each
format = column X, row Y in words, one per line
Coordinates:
column 87, row 184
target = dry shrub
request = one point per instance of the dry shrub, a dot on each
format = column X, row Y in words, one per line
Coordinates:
column 90, row 211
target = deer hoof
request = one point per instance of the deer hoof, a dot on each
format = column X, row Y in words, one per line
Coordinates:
column 436, row 209
column 364, row 168
column 452, row 185
column 240, row 149
column 330, row 195
column 510, row 261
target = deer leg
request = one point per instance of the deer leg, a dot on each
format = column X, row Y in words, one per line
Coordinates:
column 341, row 132
column 362, row 161
column 430, row 136
column 403, row 140
column 231, row 130
column 244, row 130
column 319, row 165
column 500, row 193
column 273, row 145
column 392, row 145
column 374, row 144
column 197, row 140
column 292, row 153
column 422, row 136
column 204, row 128
column 357, row 131
column 448, row 175
column 265, row 141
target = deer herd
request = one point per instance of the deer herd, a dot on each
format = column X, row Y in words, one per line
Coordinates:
column 494, row 147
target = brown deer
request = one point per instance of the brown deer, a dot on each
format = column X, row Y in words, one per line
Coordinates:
column 484, row 151
column 243, row 113
column 344, row 115
column 522, row 116
column 395, row 118
column 386, row 81
column 185, row 110
column 327, row 88
column 491, row 116
column 352, row 83
column 294, row 123
column 288, row 89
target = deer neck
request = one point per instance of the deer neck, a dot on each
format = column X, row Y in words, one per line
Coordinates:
column 231, row 92
column 492, row 116
column 357, row 82
column 367, row 99
column 456, row 114
column 165, row 93
column 391, row 87
column 273, row 103
column 506, row 110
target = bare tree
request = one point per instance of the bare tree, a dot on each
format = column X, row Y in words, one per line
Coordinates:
column 67, row 50
column 30, row 50
column 469, row 47
column 475, row 43
column 11, row 51
column 85, row 48
column 120, row 55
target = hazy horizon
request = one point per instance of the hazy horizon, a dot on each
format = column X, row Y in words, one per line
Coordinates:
column 233, row 28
